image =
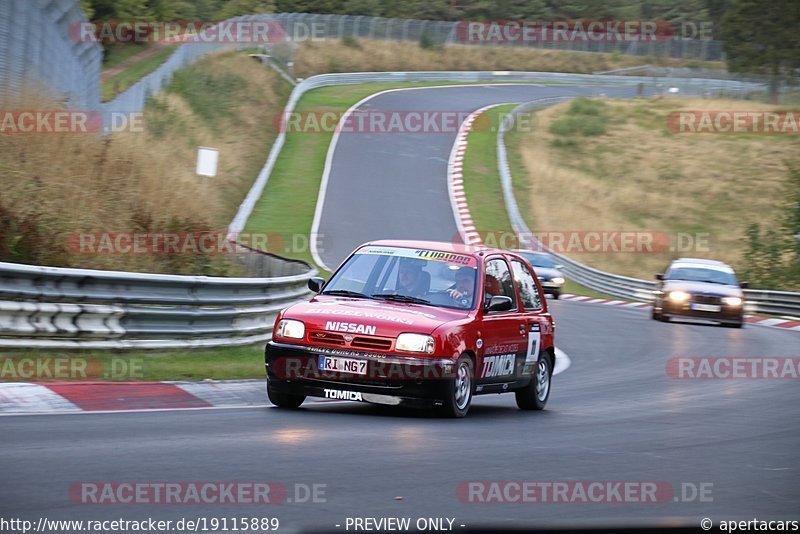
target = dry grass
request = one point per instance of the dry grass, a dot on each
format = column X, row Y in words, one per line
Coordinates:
column 331, row 56
column 638, row 176
column 56, row 185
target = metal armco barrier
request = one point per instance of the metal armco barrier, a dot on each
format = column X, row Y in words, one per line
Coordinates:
column 56, row 308
column 756, row 301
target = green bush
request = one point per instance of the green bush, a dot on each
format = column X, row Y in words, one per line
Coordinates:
column 351, row 42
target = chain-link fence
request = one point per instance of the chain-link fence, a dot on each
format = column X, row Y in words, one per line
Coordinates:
column 38, row 46
column 36, row 50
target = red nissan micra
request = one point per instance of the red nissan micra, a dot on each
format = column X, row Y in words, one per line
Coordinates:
column 417, row 323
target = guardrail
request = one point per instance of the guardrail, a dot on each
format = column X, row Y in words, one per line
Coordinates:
column 57, row 308
column 756, row 301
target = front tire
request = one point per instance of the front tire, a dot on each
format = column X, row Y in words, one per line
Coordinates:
column 535, row 395
column 284, row 400
column 556, row 294
column 458, row 393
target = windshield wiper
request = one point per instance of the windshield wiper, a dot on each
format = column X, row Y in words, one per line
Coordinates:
column 345, row 293
column 400, row 298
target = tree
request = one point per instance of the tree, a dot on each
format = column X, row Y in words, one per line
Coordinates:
column 762, row 38
column 235, row 8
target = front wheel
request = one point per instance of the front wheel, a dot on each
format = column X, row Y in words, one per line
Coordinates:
column 458, row 393
column 284, row 400
column 534, row 396
column 556, row 294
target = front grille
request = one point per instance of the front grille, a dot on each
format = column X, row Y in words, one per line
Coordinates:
column 327, row 338
column 706, row 299
column 371, row 343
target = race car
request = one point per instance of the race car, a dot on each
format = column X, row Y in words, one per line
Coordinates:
column 546, row 269
column 699, row 289
column 417, row 323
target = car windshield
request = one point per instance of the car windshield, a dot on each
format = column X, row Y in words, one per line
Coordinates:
column 701, row 274
column 540, row 260
column 400, row 274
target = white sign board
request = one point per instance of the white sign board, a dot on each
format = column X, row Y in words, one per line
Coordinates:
column 207, row 159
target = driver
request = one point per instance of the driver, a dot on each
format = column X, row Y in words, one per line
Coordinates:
column 410, row 278
column 461, row 291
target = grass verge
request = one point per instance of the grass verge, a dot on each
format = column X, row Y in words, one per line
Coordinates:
column 484, row 192
column 374, row 55
column 226, row 363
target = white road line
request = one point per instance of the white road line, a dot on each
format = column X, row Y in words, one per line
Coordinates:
column 562, row 362
column 334, row 141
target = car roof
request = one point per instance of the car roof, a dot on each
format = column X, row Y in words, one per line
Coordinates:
column 528, row 251
column 441, row 246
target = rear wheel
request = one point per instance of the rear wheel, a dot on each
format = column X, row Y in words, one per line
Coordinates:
column 458, row 393
column 535, row 395
column 284, row 400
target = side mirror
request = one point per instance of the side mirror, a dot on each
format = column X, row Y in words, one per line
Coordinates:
column 316, row 284
column 659, row 276
column 499, row 303
column 744, row 285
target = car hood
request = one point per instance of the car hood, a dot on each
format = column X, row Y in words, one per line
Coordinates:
column 546, row 272
column 702, row 288
column 370, row 317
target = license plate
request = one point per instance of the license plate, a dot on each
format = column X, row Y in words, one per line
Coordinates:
column 706, row 307
column 342, row 365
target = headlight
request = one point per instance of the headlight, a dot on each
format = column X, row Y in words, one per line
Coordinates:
column 557, row 280
column 415, row 343
column 732, row 301
column 291, row 329
column 679, row 296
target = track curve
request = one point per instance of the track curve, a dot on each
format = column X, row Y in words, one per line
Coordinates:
column 393, row 186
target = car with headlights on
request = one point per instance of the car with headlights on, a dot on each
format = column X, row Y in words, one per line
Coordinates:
column 417, row 323
column 547, row 271
column 699, row 289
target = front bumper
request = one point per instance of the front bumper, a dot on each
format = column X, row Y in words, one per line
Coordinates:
column 549, row 287
column 390, row 379
column 726, row 314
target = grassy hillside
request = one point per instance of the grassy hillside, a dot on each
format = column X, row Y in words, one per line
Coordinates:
column 56, row 185
column 366, row 55
column 614, row 165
